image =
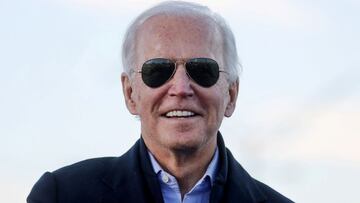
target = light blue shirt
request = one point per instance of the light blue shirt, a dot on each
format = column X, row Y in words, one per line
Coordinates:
column 200, row 193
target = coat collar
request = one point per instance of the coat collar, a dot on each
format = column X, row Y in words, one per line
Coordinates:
column 232, row 181
column 131, row 178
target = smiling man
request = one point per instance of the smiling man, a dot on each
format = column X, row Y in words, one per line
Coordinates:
column 181, row 79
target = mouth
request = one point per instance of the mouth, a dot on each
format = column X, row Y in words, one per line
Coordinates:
column 180, row 114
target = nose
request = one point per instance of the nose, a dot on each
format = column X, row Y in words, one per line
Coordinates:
column 181, row 83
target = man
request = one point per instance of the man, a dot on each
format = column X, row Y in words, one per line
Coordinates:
column 181, row 79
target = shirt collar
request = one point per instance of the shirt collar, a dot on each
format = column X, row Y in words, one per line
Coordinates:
column 210, row 171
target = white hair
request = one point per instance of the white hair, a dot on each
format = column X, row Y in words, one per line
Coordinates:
column 181, row 8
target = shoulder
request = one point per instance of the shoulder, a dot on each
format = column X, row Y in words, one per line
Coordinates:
column 84, row 180
column 96, row 168
column 71, row 182
column 258, row 190
column 271, row 194
column 85, row 168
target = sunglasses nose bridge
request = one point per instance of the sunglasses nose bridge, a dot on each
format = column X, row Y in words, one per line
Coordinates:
column 180, row 80
column 178, row 63
column 181, row 62
column 180, row 86
column 180, row 68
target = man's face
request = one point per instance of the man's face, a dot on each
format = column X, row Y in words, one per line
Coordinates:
column 173, row 38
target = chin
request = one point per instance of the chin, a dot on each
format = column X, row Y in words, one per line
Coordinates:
column 184, row 148
column 186, row 142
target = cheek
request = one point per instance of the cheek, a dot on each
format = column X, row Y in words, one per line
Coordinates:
column 147, row 100
column 136, row 96
column 141, row 91
column 215, row 104
column 222, row 98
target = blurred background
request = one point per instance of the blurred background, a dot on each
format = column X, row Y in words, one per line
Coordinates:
column 296, row 126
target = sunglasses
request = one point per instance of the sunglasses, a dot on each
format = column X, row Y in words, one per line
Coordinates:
column 203, row 71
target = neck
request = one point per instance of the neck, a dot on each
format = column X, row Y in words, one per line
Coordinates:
column 187, row 166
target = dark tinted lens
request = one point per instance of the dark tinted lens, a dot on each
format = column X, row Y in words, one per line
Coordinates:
column 155, row 72
column 203, row 71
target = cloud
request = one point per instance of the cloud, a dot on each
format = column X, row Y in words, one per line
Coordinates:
column 332, row 132
column 113, row 6
column 327, row 131
column 272, row 12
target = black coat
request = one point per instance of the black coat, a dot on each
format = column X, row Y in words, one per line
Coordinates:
column 130, row 178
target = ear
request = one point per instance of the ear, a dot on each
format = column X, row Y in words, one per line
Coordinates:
column 233, row 93
column 128, row 93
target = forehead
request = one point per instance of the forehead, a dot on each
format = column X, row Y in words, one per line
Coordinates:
column 176, row 36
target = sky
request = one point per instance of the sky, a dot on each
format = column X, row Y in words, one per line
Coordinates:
column 296, row 125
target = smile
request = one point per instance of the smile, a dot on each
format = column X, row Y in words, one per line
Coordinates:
column 179, row 113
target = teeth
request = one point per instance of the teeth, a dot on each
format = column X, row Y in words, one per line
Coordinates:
column 180, row 114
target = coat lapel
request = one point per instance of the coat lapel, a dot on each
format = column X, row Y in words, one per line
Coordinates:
column 129, row 181
column 130, row 178
column 233, row 183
